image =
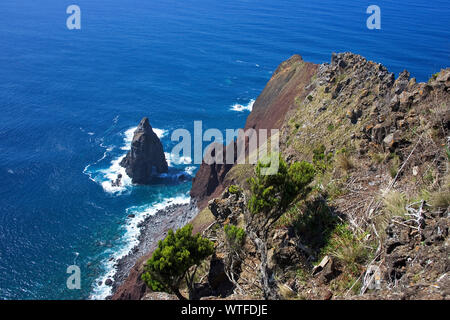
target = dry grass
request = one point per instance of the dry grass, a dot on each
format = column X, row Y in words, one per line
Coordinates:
column 378, row 158
column 394, row 167
column 344, row 162
column 286, row 292
column 440, row 199
column 349, row 249
column 395, row 203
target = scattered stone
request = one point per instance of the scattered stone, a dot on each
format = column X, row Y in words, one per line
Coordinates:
column 117, row 182
column 327, row 295
column 321, row 265
column 379, row 132
column 391, row 141
column 159, row 296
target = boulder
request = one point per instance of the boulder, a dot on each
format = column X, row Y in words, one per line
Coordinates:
column 228, row 206
column 402, row 82
column 391, row 140
column 108, row 282
column 379, row 132
column 146, row 154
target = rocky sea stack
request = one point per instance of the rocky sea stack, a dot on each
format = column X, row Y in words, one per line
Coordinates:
column 146, row 154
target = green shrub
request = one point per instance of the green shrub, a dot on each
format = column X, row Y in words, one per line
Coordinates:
column 348, row 248
column 235, row 236
column 394, row 167
column 314, row 224
column 273, row 193
column 233, row 189
column 330, row 127
column 395, row 203
column 171, row 261
column 321, row 160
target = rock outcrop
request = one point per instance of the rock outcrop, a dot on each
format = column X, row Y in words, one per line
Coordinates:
column 146, row 155
column 288, row 82
column 209, row 180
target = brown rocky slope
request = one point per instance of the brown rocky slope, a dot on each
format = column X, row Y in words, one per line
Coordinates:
column 375, row 225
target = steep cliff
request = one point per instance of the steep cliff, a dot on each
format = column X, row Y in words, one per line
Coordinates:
column 289, row 81
column 375, row 224
column 210, row 178
column 145, row 156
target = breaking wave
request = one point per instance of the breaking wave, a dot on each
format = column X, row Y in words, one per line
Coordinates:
column 241, row 108
column 105, row 176
column 129, row 240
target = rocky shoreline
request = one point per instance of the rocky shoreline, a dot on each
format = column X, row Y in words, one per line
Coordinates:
column 152, row 229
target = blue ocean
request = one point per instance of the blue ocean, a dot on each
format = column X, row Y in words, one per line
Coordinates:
column 69, row 100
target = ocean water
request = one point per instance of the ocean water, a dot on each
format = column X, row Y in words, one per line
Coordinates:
column 69, row 100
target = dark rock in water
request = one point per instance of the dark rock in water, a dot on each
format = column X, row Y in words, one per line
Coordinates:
column 183, row 177
column 108, row 282
column 131, row 215
column 117, row 182
column 146, row 154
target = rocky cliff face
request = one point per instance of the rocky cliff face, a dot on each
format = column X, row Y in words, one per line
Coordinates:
column 377, row 223
column 146, row 155
column 209, row 179
column 288, row 82
column 376, row 227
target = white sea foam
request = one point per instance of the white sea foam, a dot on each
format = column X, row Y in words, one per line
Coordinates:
column 174, row 160
column 128, row 137
column 160, row 132
column 86, row 169
column 190, row 170
column 130, row 239
column 110, row 174
column 240, row 108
